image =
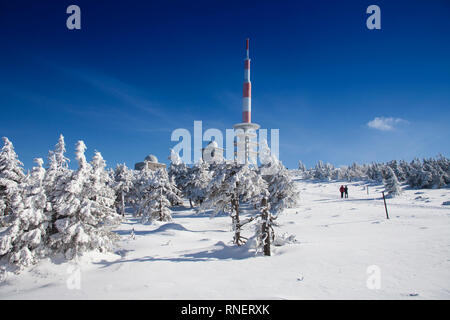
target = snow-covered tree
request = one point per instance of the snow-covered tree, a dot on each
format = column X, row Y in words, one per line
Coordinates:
column 282, row 191
column 56, row 174
column 391, row 184
column 170, row 190
column 444, row 165
column 197, row 182
column 51, row 175
column 154, row 195
column 158, row 206
column 215, row 199
column 323, row 171
column 178, row 173
column 232, row 185
column 24, row 241
column 178, row 170
column 395, row 166
column 85, row 212
column 59, row 151
column 355, row 172
column 405, row 169
column 141, row 188
column 428, row 173
column 301, row 166
column 11, row 175
column 418, row 176
column 123, row 183
column 102, row 195
column 375, row 172
column 439, row 177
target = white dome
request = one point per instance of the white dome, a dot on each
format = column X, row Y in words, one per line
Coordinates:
column 151, row 158
column 213, row 144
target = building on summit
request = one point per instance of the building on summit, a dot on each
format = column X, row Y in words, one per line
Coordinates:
column 151, row 162
column 212, row 153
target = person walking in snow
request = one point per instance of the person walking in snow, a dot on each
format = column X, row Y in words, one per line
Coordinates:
column 346, row 191
column 342, row 190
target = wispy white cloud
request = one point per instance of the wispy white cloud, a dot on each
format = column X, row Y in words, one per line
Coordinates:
column 119, row 90
column 385, row 124
column 133, row 108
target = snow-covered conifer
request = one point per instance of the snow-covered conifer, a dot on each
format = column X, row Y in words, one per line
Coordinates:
column 438, row 175
column 282, row 191
column 235, row 184
column 177, row 167
column 160, row 194
column 301, row 166
column 84, row 213
column 140, row 190
column 397, row 170
column 175, row 158
column 429, row 173
column 155, row 193
column 59, row 151
column 11, row 175
column 444, row 164
column 197, row 182
column 178, row 172
column 375, row 172
column 391, row 184
column 56, row 174
column 323, row 171
column 355, row 172
column 101, row 191
column 123, row 184
column 24, row 242
column 405, row 168
column 170, row 190
column 418, row 177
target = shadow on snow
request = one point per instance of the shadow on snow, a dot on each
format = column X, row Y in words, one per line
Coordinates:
column 163, row 228
column 219, row 251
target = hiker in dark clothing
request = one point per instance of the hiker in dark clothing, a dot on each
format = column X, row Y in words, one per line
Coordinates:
column 346, row 191
column 342, row 190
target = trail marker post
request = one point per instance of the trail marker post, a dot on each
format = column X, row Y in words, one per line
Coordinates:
column 385, row 206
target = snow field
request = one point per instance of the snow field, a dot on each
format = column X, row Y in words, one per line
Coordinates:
column 192, row 257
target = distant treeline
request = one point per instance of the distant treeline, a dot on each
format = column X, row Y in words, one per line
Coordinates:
column 423, row 174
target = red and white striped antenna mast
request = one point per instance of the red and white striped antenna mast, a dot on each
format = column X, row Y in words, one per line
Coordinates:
column 246, row 130
column 247, row 92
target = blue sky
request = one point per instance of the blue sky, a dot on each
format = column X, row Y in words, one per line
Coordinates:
column 137, row 70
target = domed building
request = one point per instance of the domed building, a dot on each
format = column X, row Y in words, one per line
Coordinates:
column 151, row 162
column 212, row 153
column 151, row 158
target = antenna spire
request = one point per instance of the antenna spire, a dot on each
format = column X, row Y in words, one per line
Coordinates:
column 247, row 92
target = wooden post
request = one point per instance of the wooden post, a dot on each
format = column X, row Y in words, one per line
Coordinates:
column 385, row 206
column 122, row 204
column 160, row 206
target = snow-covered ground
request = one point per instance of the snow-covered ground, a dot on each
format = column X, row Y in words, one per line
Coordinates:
column 338, row 239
